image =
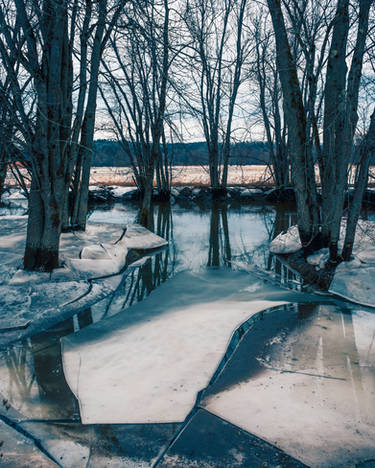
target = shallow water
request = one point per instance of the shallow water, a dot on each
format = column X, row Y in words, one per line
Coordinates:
column 37, row 398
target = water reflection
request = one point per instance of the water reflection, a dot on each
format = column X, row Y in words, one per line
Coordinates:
column 219, row 252
column 309, row 362
column 154, row 270
column 32, row 377
column 218, row 235
column 334, row 347
column 284, row 218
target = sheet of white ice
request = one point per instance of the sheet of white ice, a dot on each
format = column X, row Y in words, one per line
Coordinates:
column 138, row 237
column 321, row 410
column 104, row 259
column 286, row 242
column 147, row 363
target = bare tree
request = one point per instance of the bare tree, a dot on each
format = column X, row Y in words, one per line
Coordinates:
column 108, row 15
column 41, row 36
column 135, row 94
column 218, row 50
column 340, row 100
column 367, row 152
column 266, row 76
column 301, row 161
column 340, row 117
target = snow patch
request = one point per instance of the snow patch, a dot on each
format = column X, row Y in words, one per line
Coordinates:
column 286, row 242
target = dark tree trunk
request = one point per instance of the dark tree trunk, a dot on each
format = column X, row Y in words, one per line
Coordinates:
column 43, row 231
column 367, row 152
column 333, row 132
column 3, row 173
column 301, row 161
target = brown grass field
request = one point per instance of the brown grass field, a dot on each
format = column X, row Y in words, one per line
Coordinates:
column 248, row 176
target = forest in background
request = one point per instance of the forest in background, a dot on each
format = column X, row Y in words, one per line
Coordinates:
column 111, row 153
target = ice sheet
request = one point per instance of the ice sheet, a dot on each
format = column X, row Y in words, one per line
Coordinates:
column 148, row 363
column 313, row 391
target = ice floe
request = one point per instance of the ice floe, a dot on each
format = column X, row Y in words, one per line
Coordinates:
column 148, row 362
column 27, row 298
column 287, row 242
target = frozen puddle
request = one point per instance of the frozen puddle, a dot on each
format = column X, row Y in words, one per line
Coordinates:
column 303, row 379
column 147, row 363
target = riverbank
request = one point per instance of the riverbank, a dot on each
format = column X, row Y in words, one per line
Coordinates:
column 195, row 176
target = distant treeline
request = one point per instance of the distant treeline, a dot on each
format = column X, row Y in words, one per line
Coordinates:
column 110, row 153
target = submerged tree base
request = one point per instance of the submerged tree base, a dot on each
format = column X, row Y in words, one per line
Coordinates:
column 219, row 193
column 40, row 259
column 311, row 274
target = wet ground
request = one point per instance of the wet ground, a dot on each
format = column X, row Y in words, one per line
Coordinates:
column 295, row 385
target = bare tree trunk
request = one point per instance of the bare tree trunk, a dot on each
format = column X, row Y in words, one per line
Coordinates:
column 88, row 127
column 3, row 173
column 333, row 131
column 302, row 165
column 49, row 145
column 233, row 96
column 340, row 118
column 367, row 152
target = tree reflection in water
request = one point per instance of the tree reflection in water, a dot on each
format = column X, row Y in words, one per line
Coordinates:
column 32, row 377
column 219, row 248
column 156, row 268
column 284, row 218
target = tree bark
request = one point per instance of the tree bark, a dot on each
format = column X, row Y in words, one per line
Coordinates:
column 302, row 165
column 367, row 152
column 333, row 130
column 88, row 126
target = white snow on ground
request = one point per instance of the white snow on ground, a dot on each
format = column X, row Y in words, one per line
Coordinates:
column 148, row 362
column 99, row 251
column 102, row 259
column 13, row 194
column 315, row 396
column 28, row 298
column 354, row 280
column 120, row 191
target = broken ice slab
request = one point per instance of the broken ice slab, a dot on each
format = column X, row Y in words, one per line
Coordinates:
column 211, row 442
column 139, row 238
column 77, row 446
column 105, row 259
column 18, row 451
column 148, row 363
column 303, row 379
column 355, row 281
column 286, row 242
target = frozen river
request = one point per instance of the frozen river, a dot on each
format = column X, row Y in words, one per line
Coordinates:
column 210, row 354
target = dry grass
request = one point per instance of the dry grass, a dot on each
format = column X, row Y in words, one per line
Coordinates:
column 198, row 176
